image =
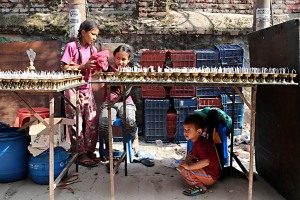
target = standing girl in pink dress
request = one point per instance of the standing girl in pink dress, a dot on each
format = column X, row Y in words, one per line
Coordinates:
column 79, row 52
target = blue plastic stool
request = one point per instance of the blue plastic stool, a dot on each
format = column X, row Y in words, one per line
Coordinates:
column 104, row 153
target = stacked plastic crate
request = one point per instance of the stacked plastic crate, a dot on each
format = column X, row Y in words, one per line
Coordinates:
column 207, row 58
column 184, row 108
column 156, row 119
column 233, row 56
column 155, row 103
column 153, row 58
column 155, row 111
column 184, row 101
column 208, row 96
column 238, row 111
column 181, row 59
column 221, row 56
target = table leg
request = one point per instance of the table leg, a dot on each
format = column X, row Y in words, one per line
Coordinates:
column 51, row 147
column 112, row 183
column 252, row 131
column 124, row 128
column 75, row 156
column 232, row 132
column 77, row 126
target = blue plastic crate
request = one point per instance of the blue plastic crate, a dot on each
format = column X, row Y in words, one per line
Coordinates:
column 184, row 108
column 207, row 57
column 226, row 100
column 207, row 91
column 155, row 111
column 232, row 62
column 231, row 55
column 238, row 111
column 207, row 54
column 230, row 51
column 212, row 91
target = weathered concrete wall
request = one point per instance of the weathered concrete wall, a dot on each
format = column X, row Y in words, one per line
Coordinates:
column 217, row 17
column 147, row 8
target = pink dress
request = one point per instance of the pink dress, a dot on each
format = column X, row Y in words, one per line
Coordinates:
column 88, row 134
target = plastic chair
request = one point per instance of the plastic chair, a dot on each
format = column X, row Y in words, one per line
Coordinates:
column 104, row 153
column 24, row 115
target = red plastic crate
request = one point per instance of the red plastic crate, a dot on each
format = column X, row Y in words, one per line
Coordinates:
column 213, row 102
column 183, row 58
column 179, row 58
column 153, row 58
column 153, row 92
column 183, row 91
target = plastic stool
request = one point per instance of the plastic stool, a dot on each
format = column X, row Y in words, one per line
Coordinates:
column 104, row 153
column 24, row 115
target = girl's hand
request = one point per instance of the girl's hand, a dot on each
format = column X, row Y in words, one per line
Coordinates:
column 93, row 65
column 90, row 64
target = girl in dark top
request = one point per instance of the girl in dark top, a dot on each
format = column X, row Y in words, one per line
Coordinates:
column 123, row 56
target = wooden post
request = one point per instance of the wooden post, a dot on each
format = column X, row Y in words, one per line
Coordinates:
column 252, row 133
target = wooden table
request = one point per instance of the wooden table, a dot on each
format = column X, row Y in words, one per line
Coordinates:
column 50, row 93
column 224, row 85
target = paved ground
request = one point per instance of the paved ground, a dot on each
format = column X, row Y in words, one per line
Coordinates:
column 159, row 182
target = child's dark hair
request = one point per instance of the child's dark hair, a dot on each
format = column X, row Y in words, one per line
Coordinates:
column 128, row 49
column 195, row 119
column 87, row 25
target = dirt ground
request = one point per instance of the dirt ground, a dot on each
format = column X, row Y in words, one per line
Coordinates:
column 159, row 182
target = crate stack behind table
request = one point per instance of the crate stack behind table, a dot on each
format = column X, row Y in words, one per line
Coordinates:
column 223, row 56
column 157, row 96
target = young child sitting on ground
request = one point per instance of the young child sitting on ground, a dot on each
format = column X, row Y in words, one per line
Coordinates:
column 201, row 166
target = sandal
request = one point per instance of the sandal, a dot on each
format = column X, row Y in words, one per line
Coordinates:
column 93, row 157
column 193, row 191
column 68, row 181
column 87, row 163
column 145, row 161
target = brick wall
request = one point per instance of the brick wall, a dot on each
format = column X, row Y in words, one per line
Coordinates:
column 146, row 8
